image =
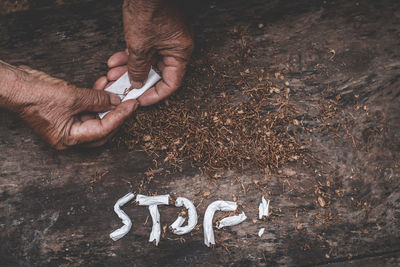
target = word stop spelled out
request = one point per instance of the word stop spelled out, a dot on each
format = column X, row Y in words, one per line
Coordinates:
column 152, row 202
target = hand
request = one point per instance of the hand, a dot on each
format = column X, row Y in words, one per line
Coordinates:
column 65, row 115
column 155, row 34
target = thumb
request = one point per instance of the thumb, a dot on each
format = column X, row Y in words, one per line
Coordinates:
column 96, row 100
column 139, row 64
column 93, row 130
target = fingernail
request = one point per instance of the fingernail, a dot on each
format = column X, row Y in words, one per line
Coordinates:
column 114, row 99
column 137, row 85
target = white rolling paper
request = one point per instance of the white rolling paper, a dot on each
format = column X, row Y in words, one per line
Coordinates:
column 152, row 200
column 208, row 216
column 232, row 220
column 192, row 221
column 120, row 232
column 121, row 86
column 156, row 228
column 261, row 232
column 263, row 208
column 177, row 223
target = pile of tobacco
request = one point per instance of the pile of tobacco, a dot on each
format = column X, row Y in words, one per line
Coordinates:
column 214, row 131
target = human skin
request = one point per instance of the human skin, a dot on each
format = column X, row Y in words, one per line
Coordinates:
column 62, row 114
column 157, row 35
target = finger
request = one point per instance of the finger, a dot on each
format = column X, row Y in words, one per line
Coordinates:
column 86, row 116
column 160, row 66
column 116, row 72
column 101, row 141
column 95, row 100
column 26, row 68
column 101, row 83
column 172, row 75
column 82, row 132
column 139, row 63
column 118, row 59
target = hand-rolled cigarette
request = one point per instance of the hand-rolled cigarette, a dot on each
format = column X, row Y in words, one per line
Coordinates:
column 232, row 220
column 261, row 232
column 177, row 223
column 263, row 208
column 119, row 233
column 220, row 205
column 152, row 200
column 192, row 220
column 122, row 86
column 156, row 228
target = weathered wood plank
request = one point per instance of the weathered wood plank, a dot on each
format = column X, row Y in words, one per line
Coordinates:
column 56, row 207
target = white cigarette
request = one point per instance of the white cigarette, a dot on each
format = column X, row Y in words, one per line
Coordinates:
column 263, row 208
column 156, row 228
column 208, row 216
column 261, row 232
column 177, row 223
column 119, row 233
column 122, row 84
column 192, row 220
column 152, row 200
column 232, row 220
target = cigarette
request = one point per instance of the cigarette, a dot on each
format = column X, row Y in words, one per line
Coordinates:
column 263, row 208
column 232, row 220
column 261, row 232
column 177, row 223
column 119, row 233
column 152, row 200
column 220, row 205
column 156, row 228
column 192, row 220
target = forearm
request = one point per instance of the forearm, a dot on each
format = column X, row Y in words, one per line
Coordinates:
column 146, row 10
column 146, row 7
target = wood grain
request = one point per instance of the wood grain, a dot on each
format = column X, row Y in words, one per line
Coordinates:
column 341, row 61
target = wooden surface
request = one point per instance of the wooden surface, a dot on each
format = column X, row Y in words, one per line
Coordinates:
column 341, row 61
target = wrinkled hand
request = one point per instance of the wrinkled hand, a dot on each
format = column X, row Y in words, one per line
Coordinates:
column 65, row 115
column 155, row 34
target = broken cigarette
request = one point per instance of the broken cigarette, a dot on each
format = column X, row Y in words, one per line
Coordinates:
column 177, row 223
column 220, row 205
column 156, row 228
column 192, row 220
column 261, row 232
column 119, row 233
column 122, row 86
column 263, row 208
column 232, row 220
column 153, row 202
